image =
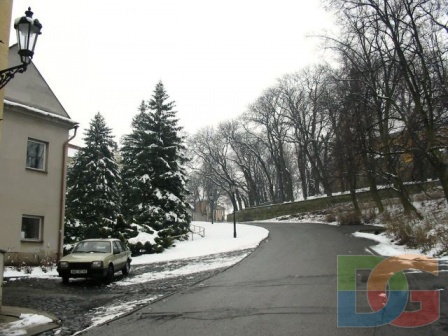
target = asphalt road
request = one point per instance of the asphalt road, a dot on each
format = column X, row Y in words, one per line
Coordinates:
column 288, row 286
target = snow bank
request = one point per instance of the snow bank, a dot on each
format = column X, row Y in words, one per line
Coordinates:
column 218, row 239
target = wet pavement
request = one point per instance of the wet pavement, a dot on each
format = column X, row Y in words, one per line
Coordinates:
column 82, row 300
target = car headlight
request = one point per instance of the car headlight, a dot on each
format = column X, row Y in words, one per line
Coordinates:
column 97, row 264
column 63, row 264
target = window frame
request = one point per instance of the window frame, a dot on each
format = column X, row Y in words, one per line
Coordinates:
column 123, row 246
column 118, row 246
column 45, row 155
column 39, row 239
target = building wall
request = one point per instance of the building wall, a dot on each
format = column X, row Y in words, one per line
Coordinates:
column 27, row 192
column 5, row 26
column 220, row 214
column 202, row 212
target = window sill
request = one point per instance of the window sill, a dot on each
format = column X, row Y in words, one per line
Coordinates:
column 37, row 170
column 31, row 241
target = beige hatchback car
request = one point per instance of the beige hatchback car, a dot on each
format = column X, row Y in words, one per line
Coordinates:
column 95, row 258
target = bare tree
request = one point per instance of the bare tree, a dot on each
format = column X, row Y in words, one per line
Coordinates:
column 247, row 157
column 266, row 113
column 213, row 150
column 303, row 99
column 412, row 38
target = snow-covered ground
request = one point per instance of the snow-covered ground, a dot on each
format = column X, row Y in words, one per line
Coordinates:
column 218, row 239
column 17, row 328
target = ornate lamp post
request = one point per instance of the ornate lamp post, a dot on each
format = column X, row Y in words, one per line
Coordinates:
column 28, row 29
column 27, row 32
column 234, row 209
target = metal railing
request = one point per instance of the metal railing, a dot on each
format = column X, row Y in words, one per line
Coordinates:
column 196, row 229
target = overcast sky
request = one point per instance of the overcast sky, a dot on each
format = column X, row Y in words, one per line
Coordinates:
column 214, row 57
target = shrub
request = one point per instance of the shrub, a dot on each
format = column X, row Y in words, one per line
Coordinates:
column 136, row 249
column 22, row 261
column 140, row 248
column 410, row 231
column 369, row 216
column 47, row 264
column 386, row 216
column 164, row 242
column 329, row 218
column 401, row 231
column 442, row 235
column 165, row 238
column 158, row 249
column 350, row 218
column 438, row 233
column 148, row 247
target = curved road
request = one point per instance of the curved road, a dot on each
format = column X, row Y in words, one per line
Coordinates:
column 288, row 286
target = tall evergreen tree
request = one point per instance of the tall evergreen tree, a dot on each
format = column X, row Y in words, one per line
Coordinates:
column 153, row 169
column 93, row 186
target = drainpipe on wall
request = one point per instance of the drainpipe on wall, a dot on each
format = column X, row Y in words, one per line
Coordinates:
column 63, row 187
column 2, row 264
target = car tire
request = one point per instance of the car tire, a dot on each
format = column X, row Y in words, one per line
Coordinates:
column 65, row 280
column 110, row 274
column 127, row 268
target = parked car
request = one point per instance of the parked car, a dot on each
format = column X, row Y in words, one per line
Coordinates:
column 95, row 258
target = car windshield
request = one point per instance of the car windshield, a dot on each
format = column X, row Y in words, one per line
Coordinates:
column 92, row 247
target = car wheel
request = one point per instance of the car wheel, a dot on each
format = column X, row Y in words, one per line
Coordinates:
column 65, row 280
column 126, row 268
column 110, row 274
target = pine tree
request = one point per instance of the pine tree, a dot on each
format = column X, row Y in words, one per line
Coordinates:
column 153, row 169
column 93, row 182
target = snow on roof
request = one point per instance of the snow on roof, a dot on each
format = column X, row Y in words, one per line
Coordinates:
column 31, row 88
column 41, row 112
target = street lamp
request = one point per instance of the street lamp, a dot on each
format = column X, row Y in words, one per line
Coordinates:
column 211, row 205
column 234, row 209
column 28, row 29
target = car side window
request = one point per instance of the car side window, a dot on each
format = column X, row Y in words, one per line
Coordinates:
column 123, row 246
column 117, row 247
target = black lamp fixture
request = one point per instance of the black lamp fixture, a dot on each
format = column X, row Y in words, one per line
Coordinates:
column 28, row 29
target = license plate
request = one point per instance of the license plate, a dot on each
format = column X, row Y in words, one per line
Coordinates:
column 78, row 271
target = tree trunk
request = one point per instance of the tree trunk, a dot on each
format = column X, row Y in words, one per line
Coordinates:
column 374, row 192
column 301, row 163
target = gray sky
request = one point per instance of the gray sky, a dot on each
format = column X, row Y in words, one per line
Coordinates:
column 214, row 57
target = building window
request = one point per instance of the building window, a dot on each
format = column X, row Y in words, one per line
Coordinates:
column 32, row 228
column 36, row 154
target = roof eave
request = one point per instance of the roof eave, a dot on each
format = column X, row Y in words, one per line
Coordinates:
column 41, row 114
